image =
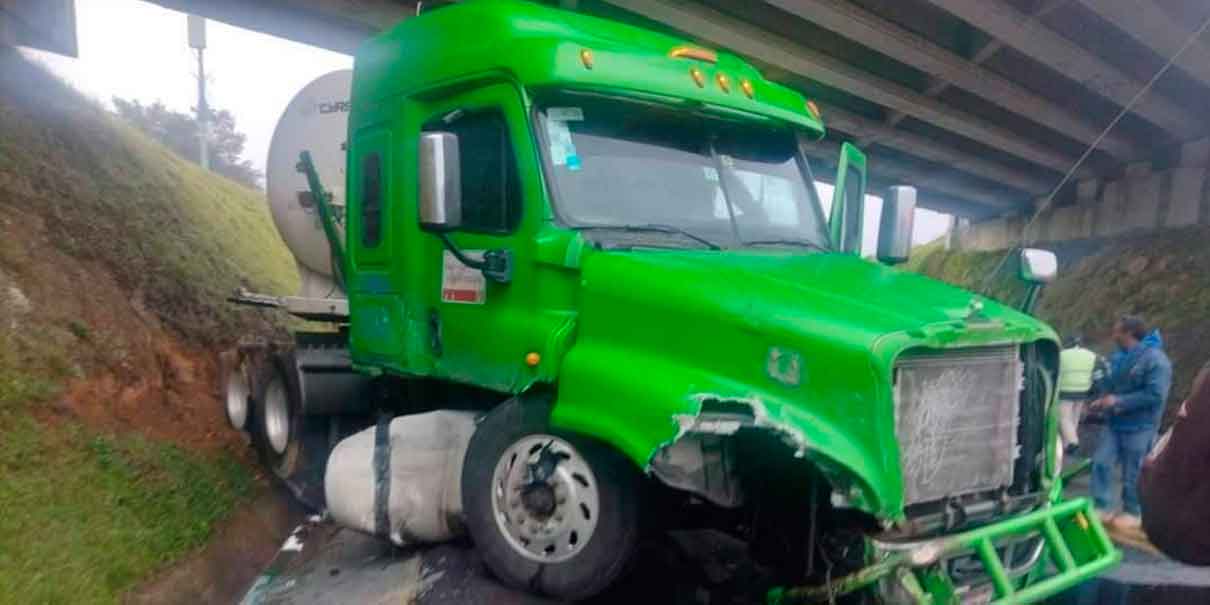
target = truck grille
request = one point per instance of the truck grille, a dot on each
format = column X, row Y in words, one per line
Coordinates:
column 956, row 421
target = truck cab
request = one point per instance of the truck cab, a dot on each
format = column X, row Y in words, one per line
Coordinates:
column 608, row 242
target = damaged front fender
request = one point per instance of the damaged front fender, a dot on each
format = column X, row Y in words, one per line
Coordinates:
column 678, row 439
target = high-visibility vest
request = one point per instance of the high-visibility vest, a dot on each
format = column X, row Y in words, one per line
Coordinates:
column 1075, row 370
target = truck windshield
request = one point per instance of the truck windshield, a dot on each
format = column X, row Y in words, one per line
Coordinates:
column 677, row 177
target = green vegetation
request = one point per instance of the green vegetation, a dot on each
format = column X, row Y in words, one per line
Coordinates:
column 94, row 214
column 1165, row 277
column 86, row 516
column 181, row 237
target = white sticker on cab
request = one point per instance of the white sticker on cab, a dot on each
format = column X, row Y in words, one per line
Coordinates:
column 565, row 114
column 461, row 284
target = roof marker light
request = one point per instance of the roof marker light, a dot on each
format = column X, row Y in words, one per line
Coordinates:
column 724, row 83
column 748, row 88
column 586, row 58
column 699, row 78
column 814, row 109
column 692, row 52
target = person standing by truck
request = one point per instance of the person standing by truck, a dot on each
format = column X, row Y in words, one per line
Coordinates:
column 1078, row 370
column 1135, row 391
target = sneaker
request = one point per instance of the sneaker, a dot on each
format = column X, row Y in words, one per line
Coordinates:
column 1106, row 517
column 1127, row 522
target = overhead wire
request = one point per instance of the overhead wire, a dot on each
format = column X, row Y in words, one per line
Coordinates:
column 1049, row 199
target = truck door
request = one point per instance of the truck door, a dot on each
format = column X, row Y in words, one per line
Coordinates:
column 483, row 329
column 377, row 329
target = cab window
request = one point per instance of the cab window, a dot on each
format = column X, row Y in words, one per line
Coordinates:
column 491, row 186
column 371, row 200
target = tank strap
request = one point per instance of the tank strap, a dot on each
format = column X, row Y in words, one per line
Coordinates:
column 382, row 473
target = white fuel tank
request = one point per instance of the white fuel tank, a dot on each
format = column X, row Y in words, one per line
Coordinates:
column 316, row 120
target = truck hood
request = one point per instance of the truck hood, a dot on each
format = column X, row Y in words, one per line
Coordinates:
column 869, row 298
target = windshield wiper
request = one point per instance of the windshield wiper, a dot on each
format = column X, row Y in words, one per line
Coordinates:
column 657, row 228
column 787, row 242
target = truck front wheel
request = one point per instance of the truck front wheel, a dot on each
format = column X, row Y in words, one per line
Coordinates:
column 549, row 511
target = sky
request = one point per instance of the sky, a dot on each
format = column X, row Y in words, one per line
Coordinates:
column 135, row 50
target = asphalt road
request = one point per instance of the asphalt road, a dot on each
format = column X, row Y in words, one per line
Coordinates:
column 322, row 563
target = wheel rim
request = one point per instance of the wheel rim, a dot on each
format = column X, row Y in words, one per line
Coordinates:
column 545, row 498
column 277, row 416
column 237, row 398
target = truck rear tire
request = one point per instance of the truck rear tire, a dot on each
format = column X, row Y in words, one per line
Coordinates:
column 294, row 447
column 549, row 511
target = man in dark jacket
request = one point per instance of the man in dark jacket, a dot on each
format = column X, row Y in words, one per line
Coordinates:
column 1136, row 390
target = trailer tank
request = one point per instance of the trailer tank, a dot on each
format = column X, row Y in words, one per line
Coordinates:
column 315, row 120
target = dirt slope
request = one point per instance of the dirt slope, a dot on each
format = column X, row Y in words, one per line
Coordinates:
column 115, row 259
column 1165, row 277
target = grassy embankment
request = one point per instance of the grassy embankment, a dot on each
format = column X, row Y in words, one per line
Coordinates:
column 1165, row 277
column 115, row 257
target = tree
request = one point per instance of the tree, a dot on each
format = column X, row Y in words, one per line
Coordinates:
column 179, row 131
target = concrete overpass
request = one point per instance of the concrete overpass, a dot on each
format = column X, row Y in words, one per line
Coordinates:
column 982, row 105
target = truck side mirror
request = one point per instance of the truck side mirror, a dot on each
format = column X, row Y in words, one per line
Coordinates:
column 848, row 200
column 895, row 228
column 1038, row 266
column 440, row 178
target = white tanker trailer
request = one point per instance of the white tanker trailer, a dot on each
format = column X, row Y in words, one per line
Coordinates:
column 294, row 399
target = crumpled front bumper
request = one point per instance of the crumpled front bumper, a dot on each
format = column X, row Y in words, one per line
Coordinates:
column 1073, row 539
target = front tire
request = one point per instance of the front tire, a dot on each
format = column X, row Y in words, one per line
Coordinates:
column 549, row 511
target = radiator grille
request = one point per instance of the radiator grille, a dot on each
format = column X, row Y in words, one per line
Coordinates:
column 956, row 421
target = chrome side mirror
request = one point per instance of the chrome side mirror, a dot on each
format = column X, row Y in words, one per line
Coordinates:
column 1038, row 266
column 440, row 198
column 895, row 228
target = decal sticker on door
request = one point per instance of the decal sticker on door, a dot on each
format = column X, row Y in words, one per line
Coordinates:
column 460, row 283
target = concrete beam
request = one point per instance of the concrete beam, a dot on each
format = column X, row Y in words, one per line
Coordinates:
column 340, row 27
column 1150, row 25
column 891, row 172
column 790, row 56
column 868, row 130
column 1000, row 20
column 892, row 40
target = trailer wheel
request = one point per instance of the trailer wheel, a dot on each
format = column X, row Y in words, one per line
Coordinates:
column 549, row 511
column 292, row 446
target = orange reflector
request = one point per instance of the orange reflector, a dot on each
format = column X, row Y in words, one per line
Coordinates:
column 533, row 359
column 699, row 78
column 814, row 109
column 586, row 58
column 692, row 52
column 749, row 90
column 724, row 82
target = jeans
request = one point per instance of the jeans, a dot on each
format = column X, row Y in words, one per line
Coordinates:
column 1069, row 420
column 1127, row 449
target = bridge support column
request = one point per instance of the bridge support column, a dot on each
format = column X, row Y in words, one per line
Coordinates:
column 1188, row 200
column 7, row 36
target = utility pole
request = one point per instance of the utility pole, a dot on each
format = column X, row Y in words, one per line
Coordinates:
column 197, row 41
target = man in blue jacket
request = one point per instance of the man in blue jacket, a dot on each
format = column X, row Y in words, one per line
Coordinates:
column 1136, row 391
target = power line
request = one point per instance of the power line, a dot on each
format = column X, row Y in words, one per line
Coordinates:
column 1049, row 199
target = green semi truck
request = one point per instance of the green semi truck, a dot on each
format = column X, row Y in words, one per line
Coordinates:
column 606, row 244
